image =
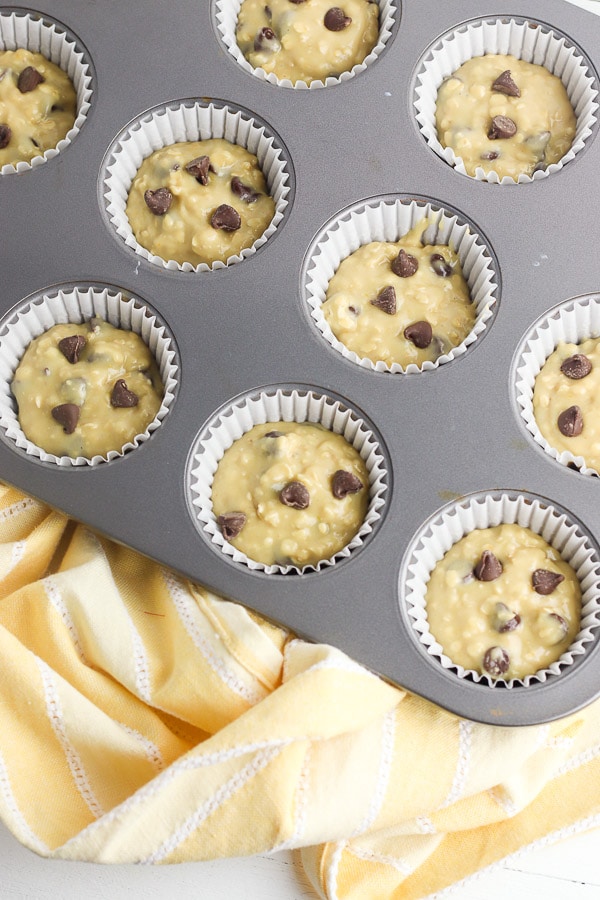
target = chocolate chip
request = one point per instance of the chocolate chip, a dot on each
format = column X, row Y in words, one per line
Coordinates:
column 121, row 397
column 71, row 347
column 505, row 619
column 354, row 310
column 501, row 127
column 29, row 79
column 243, row 191
column 488, row 568
column 419, row 333
column 496, row 661
column 440, row 265
column 336, row 19
column 199, row 168
column 231, row 524
column 504, row 84
column 226, row 218
column 266, row 41
column 490, row 154
column 268, row 13
column 576, row 366
column 558, row 627
column 570, row 422
column 158, row 201
column 5, row 136
column 544, row 581
column 294, row 494
column 405, row 265
column 67, row 415
column 344, row 483
column 273, row 434
column 385, row 300
column 297, row 2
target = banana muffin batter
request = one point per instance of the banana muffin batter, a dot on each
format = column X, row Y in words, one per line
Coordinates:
column 38, row 105
column 503, row 114
column 86, row 389
column 199, row 201
column 289, row 493
column 401, row 302
column 307, row 40
column 503, row 602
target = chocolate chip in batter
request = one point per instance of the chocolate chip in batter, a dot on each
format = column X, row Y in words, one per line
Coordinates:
column 504, row 84
column 490, row 154
column 226, row 218
column 488, row 568
column 502, row 127
column 158, row 201
column 71, row 347
column 121, row 397
column 67, row 415
column 576, row 366
column 295, row 494
column 440, row 265
column 336, row 19
column 385, row 300
column 558, row 627
column 243, row 191
column 419, row 333
column 405, row 265
column 273, row 434
column 496, row 661
column 505, row 619
column 268, row 13
column 544, row 581
column 5, row 136
column 570, row 422
column 266, row 41
column 344, row 483
column 199, row 168
column 29, row 79
column 231, row 524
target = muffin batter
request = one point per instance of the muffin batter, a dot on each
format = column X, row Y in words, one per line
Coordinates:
column 505, row 115
column 199, row 201
column 503, row 602
column 307, row 40
column 400, row 302
column 38, row 105
column 83, row 390
column 290, row 493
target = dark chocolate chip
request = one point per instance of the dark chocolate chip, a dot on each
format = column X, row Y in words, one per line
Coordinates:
column 297, row 2
column 490, row 154
column 504, row 84
column 158, row 201
column 570, row 422
column 199, row 168
column 231, row 524
column 501, row 127
column 29, row 79
column 385, row 300
column 274, row 434
column 354, row 310
column 243, row 191
column 576, row 366
column 344, row 483
column 496, row 661
column 419, row 333
column 266, row 41
column 505, row 619
column 405, row 265
column 67, row 415
column 560, row 626
column 35, row 143
column 71, row 347
column 488, row 568
column 544, row 581
column 121, row 397
column 295, row 494
column 336, row 19
column 226, row 218
column 5, row 136
column 268, row 13
column 440, row 265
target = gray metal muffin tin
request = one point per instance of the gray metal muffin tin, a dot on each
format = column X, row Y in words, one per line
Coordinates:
column 446, row 433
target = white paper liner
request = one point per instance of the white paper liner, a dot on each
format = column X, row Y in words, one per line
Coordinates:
column 61, row 48
column 388, row 219
column 227, row 11
column 281, row 405
column 189, row 120
column 571, row 322
column 77, row 305
column 527, row 40
column 458, row 519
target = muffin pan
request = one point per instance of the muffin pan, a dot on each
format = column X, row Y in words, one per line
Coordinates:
column 443, row 441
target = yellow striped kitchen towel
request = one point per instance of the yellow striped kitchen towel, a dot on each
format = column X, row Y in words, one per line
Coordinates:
column 143, row 719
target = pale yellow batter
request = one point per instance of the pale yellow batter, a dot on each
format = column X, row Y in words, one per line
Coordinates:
column 567, row 409
column 473, row 106
column 199, row 201
column 289, row 493
column 404, row 318
column 503, row 627
column 92, row 394
column 34, row 114
column 307, row 40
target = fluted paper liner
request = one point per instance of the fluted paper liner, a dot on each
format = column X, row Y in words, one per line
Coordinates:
column 79, row 304
column 488, row 510
column 530, row 41
column 281, row 406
